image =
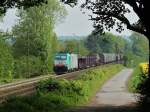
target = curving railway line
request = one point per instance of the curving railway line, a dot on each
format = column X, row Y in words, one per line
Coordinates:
column 27, row 87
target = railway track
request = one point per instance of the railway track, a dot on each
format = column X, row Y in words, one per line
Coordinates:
column 27, row 87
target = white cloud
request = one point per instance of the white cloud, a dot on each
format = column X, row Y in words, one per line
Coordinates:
column 76, row 23
column 9, row 20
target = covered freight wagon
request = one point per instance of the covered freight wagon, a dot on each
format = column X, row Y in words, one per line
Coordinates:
column 107, row 57
column 87, row 61
column 73, row 61
column 82, row 62
column 91, row 60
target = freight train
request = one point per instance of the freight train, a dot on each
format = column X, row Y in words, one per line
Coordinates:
column 66, row 62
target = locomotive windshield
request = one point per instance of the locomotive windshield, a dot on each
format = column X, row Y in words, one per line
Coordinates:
column 60, row 57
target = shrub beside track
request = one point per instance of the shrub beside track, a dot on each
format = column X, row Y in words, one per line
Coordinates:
column 56, row 95
column 139, row 75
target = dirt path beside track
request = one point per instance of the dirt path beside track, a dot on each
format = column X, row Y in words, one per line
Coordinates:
column 113, row 96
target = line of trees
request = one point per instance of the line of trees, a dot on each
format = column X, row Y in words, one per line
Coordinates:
column 73, row 46
column 135, row 47
column 30, row 49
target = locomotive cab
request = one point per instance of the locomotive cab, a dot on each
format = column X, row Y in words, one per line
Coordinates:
column 65, row 62
column 61, row 62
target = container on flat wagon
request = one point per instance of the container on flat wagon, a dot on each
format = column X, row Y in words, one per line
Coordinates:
column 74, row 61
column 107, row 57
column 113, row 57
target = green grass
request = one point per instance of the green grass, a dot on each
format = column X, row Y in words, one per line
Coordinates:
column 57, row 95
column 136, row 79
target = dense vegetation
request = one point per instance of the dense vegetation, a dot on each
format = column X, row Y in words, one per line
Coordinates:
column 108, row 43
column 136, row 79
column 57, row 95
column 139, row 83
column 6, row 61
column 34, row 37
column 73, row 46
column 29, row 49
column 32, row 54
column 144, row 90
column 135, row 48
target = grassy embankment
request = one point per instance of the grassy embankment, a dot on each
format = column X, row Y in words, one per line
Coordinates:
column 136, row 79
column 56, row 95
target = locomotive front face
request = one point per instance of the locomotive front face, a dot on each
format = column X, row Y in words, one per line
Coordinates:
column 60, row 63
column 60, row 60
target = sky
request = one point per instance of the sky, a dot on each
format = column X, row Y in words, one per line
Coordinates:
column 75, row 23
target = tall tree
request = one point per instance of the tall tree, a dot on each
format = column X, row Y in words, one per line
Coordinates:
column 35, row 38
column 136, row 50
column 73, row 46
column 140, row 45
column 6, row 59
column 108, row 13
column 107, row 43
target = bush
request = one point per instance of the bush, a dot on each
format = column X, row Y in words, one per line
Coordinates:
column 28, row 66
column 144, row 90
column 21, row 106
column 140, row 83
column 84, row 86
column 53, row 84
column 136, row 79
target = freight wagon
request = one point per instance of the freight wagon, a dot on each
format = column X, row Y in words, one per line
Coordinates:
column 87, row 61
column 65, row 62
column 107, row 58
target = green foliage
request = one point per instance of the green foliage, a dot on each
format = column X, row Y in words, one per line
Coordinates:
column 108, row 43
column 136, row 50
column 35, row 103
column 28, row 66
column 136, row 79
column 140, row 83
column 4, row 6
column 6, row 60
column 82, row 48
column 144, row 90
column 111, row 14
column 30, row 49
column 57, row 95
column 73, row 46
column 140, row 45
column 35, row 42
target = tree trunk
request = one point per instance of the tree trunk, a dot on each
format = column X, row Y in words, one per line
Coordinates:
column 146, row 19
